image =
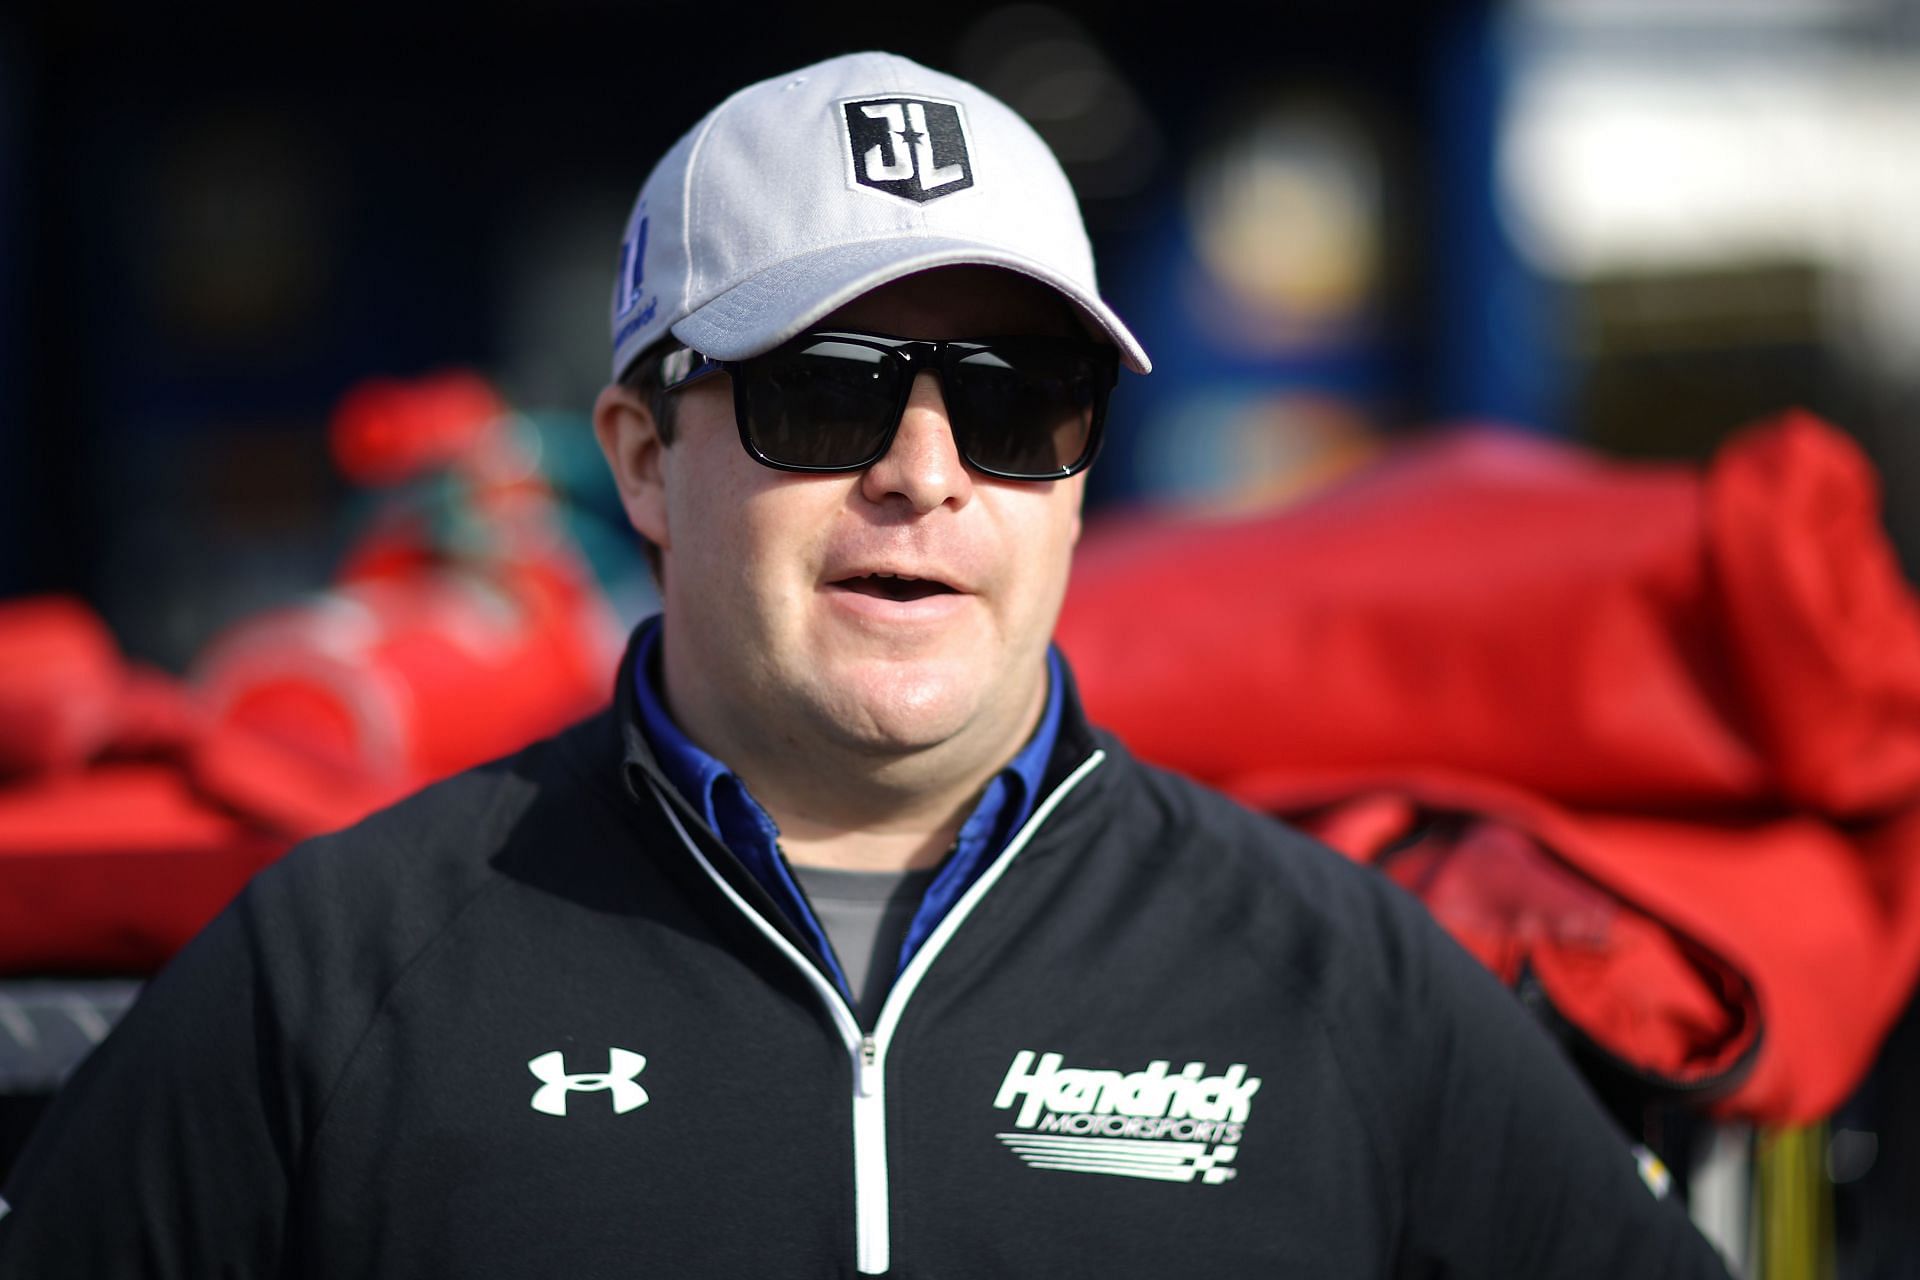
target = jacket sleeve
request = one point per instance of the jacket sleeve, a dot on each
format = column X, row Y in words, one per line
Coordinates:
column 167, row 1154
column 1513, row 1168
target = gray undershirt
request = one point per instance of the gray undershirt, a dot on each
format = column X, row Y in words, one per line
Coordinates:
column 866, row 915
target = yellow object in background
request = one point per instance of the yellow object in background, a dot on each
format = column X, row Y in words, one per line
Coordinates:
column 1793, row 1209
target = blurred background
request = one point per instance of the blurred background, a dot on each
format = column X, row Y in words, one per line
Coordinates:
column 1638, row 223
column 1634, row 224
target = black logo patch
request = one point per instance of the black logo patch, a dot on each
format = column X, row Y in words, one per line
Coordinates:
column 914, row 148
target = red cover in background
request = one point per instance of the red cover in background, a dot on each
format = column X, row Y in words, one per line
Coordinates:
column 133, row 806
column 126, row 817
column 1695, row 694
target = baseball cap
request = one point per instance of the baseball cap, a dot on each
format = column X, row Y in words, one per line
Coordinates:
column 802, row 192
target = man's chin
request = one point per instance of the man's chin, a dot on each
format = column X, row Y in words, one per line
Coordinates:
column 889, row 730
column 890, row 709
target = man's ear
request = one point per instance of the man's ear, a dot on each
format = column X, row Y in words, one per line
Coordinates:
column 629, row 436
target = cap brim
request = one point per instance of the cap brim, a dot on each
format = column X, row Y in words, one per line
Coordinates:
column 783, row 301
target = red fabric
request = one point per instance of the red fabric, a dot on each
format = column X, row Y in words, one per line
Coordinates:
column 126, row 818
column 132, row 807
column 386, row 430
column 111, row 870
column 60, row 684
column 1826, row 633
column 411, row 676
column 1521, row 881
column 136, row 807
column 1699, row 692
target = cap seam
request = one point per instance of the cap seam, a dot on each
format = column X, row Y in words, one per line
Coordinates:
column 703, row 130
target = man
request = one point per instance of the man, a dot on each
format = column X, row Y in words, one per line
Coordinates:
column 634, row 1002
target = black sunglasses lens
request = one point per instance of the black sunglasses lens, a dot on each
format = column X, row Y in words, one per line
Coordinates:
column 821, row 405
column 1022, row 408
column 1027, row 411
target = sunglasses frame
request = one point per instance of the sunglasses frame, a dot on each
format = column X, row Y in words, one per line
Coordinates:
column 685, row 366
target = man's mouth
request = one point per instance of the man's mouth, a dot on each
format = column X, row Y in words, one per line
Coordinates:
column 890, row 586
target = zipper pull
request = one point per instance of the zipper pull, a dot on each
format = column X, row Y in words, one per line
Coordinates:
column 864, row 1074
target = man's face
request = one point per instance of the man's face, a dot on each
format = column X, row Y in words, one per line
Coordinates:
column 785, row 614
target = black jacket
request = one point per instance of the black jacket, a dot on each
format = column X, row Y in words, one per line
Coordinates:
column 535, row 1021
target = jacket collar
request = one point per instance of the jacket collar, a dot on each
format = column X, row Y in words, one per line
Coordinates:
column 641, row 773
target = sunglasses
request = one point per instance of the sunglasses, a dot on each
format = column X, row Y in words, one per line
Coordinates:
column 1022, row 408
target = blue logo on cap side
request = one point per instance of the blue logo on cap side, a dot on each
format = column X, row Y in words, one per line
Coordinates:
column 633, row 268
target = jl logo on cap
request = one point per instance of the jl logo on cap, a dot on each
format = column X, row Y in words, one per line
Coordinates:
column 915, row 148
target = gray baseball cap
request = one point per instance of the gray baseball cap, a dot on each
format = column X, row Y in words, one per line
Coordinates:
column 800, row 193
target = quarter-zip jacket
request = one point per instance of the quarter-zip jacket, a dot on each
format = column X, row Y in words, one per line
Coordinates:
column 536, row 1021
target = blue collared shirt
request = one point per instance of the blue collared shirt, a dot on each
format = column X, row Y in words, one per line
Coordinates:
column 718, row 794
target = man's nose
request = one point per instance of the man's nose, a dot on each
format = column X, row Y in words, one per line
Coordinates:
column 922, row 466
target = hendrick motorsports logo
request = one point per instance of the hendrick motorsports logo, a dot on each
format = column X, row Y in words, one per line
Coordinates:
column 1143, row 1124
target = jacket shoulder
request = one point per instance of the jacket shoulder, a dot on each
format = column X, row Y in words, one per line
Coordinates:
column 421, row 856
column 334, row 926
column 1333, row 939
column 1288, row 888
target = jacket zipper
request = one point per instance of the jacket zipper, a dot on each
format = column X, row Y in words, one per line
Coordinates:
column 868, row 1052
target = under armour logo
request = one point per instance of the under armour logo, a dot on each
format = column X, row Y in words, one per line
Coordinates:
column 914, row 148
column 618, row 1079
